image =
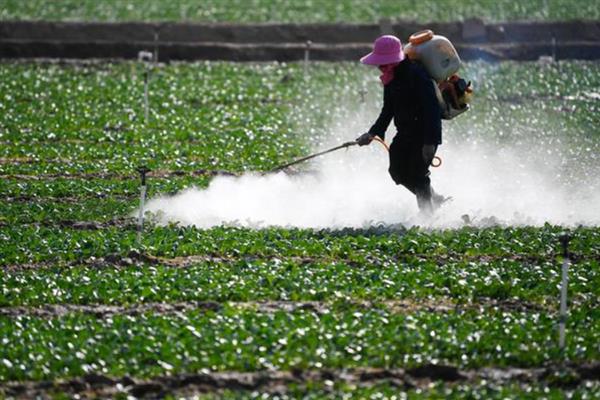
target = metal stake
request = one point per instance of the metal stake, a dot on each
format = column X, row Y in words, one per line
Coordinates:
column 142, row 170
column 146, row 56
column 156, row 37
column 564, row 240
column 307, row 57
column 146, row 79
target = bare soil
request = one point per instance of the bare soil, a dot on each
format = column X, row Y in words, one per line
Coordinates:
column 474, row 39
column 95, row 385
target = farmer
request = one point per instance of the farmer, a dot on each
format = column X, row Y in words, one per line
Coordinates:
column 409, row 97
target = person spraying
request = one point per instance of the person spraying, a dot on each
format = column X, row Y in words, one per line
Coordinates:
column 412, row 98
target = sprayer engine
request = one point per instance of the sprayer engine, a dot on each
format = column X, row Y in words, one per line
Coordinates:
column 454, row 95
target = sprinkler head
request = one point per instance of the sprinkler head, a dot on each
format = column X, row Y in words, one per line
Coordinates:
column 143, row 170
column 145, row 55
column 564, row 239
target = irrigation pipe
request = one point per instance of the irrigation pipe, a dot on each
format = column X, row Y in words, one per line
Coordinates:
column 142, row 170
column 145, row 57
column 564, row 240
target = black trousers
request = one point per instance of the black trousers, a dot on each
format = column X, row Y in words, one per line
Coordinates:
column 407, row 167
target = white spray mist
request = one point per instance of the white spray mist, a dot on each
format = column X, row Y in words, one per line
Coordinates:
column 508, row 183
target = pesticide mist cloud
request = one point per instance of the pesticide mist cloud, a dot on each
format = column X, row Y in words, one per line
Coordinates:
column 352, row 189
column 512, row 182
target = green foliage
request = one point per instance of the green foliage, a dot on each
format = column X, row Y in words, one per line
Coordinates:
column 36, row 244
column 251, row 280
column 78, row 131
column 72, row 136
column 149, row 345
column 297, row 11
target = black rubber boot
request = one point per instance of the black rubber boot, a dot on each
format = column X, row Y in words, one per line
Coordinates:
column 437, row 199
column 424, row 199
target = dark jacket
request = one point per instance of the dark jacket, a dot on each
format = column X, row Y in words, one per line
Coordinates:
column 411, row 100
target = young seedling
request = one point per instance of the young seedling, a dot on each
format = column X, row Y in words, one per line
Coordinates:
column 146, row 57
column 143, row 170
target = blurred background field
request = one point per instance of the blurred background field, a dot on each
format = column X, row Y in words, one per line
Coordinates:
column 250, row 11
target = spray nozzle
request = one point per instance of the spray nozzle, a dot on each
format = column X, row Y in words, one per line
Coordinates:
column 145, row 55
column 143, row 170
column 564, row 241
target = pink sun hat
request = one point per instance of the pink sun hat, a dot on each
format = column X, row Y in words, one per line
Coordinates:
column 387, row 49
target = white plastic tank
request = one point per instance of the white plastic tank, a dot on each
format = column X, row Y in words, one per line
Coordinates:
column 436, row 52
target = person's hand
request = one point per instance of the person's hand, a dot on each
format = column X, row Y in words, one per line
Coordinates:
column 428, row 153
column 364, row 139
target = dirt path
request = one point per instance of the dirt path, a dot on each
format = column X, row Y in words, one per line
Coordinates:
column 473, row 39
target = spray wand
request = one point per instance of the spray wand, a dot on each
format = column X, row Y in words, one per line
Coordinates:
column 343, row 146
column 301, row 160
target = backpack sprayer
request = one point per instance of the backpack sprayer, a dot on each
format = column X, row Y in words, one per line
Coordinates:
column 440, row 59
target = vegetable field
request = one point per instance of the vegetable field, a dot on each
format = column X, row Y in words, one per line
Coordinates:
column 249, row 11
column 235, row 311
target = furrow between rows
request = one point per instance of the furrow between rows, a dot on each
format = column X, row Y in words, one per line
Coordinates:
column 110, row 175
column 135, row 258
column 439, row 305
column 277, row 381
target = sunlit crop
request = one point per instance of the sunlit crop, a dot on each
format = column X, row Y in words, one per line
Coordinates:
column 79, row 295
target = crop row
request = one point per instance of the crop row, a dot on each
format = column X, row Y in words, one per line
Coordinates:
column 291, row 280
column 203, row 112
column 127, row 185
column 285, row 11
column 57, row 210
column 149, row 345
column 86, row 120
column 27, row 244
column 68, row 119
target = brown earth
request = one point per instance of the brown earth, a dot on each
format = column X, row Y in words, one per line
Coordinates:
column 437, row 305
column 136, row 259
column 288, row 42
column 102, row 386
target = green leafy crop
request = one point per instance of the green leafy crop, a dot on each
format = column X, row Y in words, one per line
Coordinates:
column 72, row 136
column 296, row 11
